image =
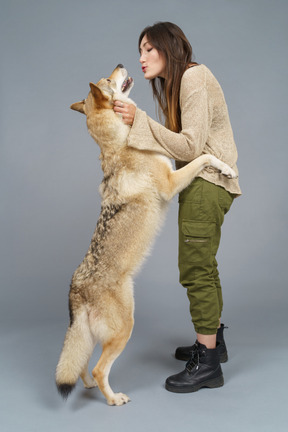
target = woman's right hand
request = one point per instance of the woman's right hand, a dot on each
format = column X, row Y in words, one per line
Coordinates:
column 126, row 110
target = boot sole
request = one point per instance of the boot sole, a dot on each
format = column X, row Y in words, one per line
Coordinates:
column 215, row 383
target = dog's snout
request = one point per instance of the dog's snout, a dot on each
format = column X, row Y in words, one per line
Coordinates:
column 120, row 65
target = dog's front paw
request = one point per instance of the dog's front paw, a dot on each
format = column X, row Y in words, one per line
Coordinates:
column 229, row 172
column 118, row 399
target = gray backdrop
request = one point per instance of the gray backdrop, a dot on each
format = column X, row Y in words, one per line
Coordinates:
column 50, row 173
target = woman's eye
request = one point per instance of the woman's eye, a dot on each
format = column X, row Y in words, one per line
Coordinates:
column 149, row 49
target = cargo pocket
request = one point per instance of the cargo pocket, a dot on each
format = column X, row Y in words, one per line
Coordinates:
column 196, row 241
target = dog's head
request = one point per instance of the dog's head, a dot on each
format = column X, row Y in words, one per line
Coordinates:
column 102, row 94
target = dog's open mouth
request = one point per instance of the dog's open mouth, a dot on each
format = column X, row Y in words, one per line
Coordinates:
column 126, row 84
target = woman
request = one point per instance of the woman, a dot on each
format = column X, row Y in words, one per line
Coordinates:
column 196, row 122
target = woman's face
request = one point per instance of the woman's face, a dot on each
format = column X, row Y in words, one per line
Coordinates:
column 153, row 62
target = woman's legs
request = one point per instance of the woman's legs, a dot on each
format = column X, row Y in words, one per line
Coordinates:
column 202, row 207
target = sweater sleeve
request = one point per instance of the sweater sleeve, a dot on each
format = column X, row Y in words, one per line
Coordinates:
column 147, row 134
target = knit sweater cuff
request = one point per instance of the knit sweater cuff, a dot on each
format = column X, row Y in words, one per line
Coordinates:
column 141, row 136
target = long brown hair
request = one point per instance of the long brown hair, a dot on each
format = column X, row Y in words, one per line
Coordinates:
column 171, row 42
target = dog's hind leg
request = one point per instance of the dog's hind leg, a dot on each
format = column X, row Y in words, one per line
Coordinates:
column 88, row 381
column 111, row 350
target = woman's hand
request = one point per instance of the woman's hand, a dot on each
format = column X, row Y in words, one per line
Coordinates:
column 126, row 110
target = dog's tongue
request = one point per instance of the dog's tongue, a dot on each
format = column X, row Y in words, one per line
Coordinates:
column 126, row 84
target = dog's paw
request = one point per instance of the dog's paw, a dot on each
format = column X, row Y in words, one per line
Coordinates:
column 228, row 172
column 118, row 399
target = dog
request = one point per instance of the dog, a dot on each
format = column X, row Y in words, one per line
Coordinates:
column 135, row 191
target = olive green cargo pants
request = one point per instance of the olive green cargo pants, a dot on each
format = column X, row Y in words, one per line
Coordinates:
column 202, row 206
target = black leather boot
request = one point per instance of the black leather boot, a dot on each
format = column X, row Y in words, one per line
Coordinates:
column 202, row 370
column 220, row 344
column 184, row 353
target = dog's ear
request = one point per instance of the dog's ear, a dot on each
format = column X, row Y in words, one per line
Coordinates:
column 101, row 99
column 97, row 93
column 78, row 106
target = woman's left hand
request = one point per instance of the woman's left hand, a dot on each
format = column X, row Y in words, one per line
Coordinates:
column 126, row 110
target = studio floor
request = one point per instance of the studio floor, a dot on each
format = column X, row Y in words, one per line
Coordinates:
column 254, row 397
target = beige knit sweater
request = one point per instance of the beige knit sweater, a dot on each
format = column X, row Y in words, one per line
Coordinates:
column 206, row 128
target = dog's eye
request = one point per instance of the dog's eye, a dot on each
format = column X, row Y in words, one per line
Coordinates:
column 108, row 80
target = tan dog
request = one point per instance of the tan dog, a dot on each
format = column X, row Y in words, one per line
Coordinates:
column 135, row 190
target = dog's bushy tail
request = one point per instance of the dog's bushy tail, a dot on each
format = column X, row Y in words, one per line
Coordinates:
column 77, row 349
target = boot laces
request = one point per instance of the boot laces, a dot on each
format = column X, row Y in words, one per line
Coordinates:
column 194, row 359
